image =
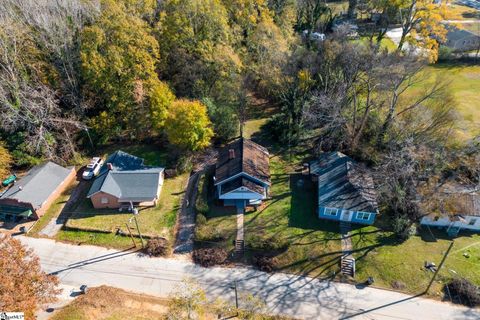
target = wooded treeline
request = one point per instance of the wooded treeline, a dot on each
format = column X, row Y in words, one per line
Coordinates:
column 80, row 72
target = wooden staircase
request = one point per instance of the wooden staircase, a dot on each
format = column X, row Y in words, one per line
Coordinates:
column 347, row 266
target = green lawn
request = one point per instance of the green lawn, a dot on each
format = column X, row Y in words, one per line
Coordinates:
column 400, row 265
column 154, row 221
column 53, row 211
column 285, row 226
column 288, row 225
column 463, row 81
column 109, row 240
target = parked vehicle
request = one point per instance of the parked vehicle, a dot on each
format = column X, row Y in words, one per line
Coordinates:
column 93, row 168
column 11, row 179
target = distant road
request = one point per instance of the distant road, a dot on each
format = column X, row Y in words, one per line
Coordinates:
column 295, row 296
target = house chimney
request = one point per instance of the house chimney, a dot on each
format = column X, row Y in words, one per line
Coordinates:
column 231, row 154
column 110, row 166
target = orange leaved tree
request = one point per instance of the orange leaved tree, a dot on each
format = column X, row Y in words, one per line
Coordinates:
column 23, row 285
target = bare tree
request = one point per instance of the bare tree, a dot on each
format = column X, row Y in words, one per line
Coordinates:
column 27, row 105
column 55, row 25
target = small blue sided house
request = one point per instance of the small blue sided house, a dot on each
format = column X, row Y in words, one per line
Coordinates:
column 242, row 177
column 345, row 189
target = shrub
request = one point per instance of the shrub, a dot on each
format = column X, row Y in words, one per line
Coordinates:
column 201, row 219
column 224, row 119
column 201, row 203
column 445, row 53
column 464, row 292
column 207, row 257
column 265, row 263
column 403, row 227
column 157, row 247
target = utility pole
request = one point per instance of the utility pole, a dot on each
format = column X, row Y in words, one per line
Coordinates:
column 131, row 235
column 439, row 266
column 236, row 294
column 135, row 213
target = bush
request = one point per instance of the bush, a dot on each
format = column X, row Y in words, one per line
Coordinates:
column 403, row 227
column 201, row 203
column 201, row 219
column 265, row 263
column 464, row 292
column 445, row 53
column 157, row 247
column 207, row 257
column 224, row 119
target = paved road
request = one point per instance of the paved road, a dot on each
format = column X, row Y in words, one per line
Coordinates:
column 295, row 296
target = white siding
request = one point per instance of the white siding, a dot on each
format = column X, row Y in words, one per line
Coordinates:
column 445, row 222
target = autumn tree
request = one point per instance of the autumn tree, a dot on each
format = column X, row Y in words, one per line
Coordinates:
column 188, row 125
column 309, row 14
column 118, row 58
column 188, row 301
column 24, row 286
column 6, row 161
column 197, row 56
column 422, row 25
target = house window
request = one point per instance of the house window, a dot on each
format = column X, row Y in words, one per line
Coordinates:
column 330, row 212
column 472, row 222
column 104, row 200
column 363, row 215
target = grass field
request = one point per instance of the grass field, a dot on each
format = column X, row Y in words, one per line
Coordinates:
column 400, row 265
column 288, row 225
column 463, row 81
column 154, row 221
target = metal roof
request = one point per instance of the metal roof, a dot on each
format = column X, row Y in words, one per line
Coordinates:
column 343, row 184
column 38, row 184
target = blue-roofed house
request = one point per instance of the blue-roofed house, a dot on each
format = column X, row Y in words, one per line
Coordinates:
column 125, row 181
column 345, row 189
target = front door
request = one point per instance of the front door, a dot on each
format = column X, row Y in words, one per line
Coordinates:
column 346, row 215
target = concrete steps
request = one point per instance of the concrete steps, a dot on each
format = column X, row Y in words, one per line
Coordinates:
column 347, row 266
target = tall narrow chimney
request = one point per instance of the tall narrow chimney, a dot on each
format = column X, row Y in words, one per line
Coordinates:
column 231, row 154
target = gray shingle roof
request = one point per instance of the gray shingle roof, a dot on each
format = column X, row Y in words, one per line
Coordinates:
column 129, row 179
column 38, row 184
column 343, row 184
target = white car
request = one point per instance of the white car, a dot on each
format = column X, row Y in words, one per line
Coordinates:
column 93, row 168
